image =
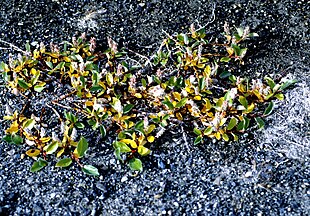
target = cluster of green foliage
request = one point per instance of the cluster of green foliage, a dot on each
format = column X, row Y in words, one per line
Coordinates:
column 189, row 83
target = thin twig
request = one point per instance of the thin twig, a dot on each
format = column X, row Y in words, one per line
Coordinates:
column 63, row 97
column 55, row 111
column 142, row 56
column 14, row 47
column 63, row 106
column 212, row 19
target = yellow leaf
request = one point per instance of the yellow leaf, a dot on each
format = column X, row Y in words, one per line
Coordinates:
column 45, row 139
column 88, row 95
column 143, row 150
column 13, row 128
column 197, row 97
column 163, row 85
column 223, row 120
column 33, row 152
column 36, row 54
column 150, row 129
column 109, row 79
column 207, row 71
column 179, row 116
column 33, row 71
column 150, row 139
column 89, row 103
column 250, row 108
column 66, row 59
column 177, row 95
column 230, row 50
column 131, row 124
column 123, row 118
column 134, row 136
column 218, row 135
column 8, row 117
column 140, row 140
column 61, row 151
column 225, row 137
column 207, row 105
column 138, row 95
column 132, row 143
column 189, row 90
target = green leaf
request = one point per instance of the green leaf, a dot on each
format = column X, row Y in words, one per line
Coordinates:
column 168, row 103
column 225, row 59
column 69, row 116
column 269, row 109
column 179, row 82
column 29, row 124
column 246, row 122
column 198, row 140
column 240, row 31
column 242, row 52
column 287, row 84
column 91, row 122
column 224, row 74
column 83, row 81
column 143, row 82
column 127, row 108
column 61, row 65
column 79, row 125
column 243, row 101
column 51, row 148
column 49, row 64
column 260, row 122
column 117, row 153
column 27, row 46
column 208, row 131
column 95, row 88
column 38, row 88
column 270, row 82
column 102, row 131
column 123, row 147
column 201, row 83
column 197, row 131
column 17, row 140
column 109, row 79
column 90, row 170
column 240, row 126
column 236, row 49
column 139, row 125
column 95, row 78
column 38, row 165
column 156, row 79
column 143, row 151
column 279, row 96
column 23, row 84
column 7, row 138
column 181, row 103
column 232, row 123
column 82, row 146
column 253, row 34
column 135, row 164
column 65, row 162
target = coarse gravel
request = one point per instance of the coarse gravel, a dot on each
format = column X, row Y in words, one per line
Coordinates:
column 265, row 173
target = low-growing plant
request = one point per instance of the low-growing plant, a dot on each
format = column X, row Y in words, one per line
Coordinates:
column 187, row 81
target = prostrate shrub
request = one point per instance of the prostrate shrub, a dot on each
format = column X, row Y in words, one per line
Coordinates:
column 134, row 102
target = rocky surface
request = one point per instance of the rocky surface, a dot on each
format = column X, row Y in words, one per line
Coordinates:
column 266, row 173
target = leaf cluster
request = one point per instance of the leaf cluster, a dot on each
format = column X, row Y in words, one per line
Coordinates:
column 187, row 82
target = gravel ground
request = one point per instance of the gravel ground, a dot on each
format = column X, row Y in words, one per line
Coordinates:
column 265, row 173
